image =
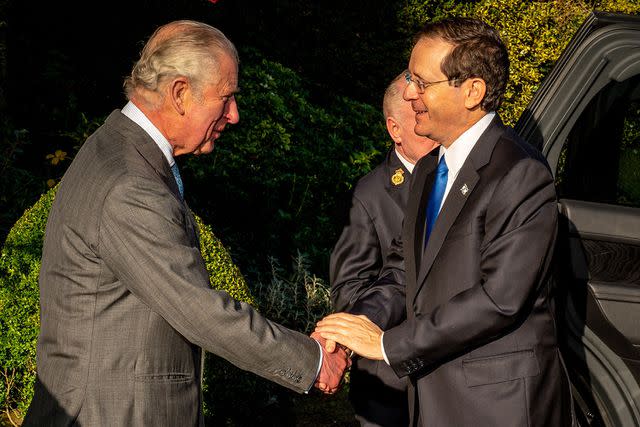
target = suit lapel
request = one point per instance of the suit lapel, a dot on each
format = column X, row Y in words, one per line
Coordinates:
column 147, row 148
column 451, row 208
column 463, row 186
column 421, row 182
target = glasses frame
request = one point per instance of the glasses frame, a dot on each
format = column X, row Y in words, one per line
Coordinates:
column 421, row 85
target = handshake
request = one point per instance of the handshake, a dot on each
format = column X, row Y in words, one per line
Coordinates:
column 340, row 335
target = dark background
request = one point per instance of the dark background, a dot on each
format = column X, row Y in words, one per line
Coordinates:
column 64, row 62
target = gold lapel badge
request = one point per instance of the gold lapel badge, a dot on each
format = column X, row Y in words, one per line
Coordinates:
column 464, row 189
column 398, row 177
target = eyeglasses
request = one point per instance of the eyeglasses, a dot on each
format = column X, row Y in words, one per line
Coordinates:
column 422, row 85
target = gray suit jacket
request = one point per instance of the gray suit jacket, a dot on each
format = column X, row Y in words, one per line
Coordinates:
column 126, row 303
column 375, row 219
column 479, row 343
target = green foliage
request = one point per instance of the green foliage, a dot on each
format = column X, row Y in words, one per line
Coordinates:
column 629, row 172
column 276, row 180
column 223, row 273
column 535, row 33
column 297, row 299
column 19, row 300
column 19, row 310
column 629, row 176
column 20, row 186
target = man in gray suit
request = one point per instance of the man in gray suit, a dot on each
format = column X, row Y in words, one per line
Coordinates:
column 126, row 304
column 378, row 396
column 479, row 344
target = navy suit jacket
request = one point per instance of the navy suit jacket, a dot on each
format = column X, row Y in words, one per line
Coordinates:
column 479, row 343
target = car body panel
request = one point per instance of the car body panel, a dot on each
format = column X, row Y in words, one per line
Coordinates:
column 579, row 119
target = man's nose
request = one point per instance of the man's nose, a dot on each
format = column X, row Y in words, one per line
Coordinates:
column 233, row 115
column 410, row 93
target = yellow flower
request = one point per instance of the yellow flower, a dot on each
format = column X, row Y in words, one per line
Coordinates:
column 51, row 183
column 57, row 157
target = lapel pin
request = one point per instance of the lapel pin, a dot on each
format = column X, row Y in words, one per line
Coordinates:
column 464, row 189
column 398, row 177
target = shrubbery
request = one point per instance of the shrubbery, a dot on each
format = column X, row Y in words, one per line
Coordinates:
column 278, row 182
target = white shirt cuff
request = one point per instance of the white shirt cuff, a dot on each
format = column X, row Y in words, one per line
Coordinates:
column 319, row 366
column 382, row 348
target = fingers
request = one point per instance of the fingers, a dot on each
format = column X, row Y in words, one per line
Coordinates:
column 342, row 319
column 330, row 346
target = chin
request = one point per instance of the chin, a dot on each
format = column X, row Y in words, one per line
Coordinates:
column 422, row 130
column 205, row 148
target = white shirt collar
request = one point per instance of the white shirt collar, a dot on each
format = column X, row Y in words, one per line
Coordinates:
column 459, row 150
column 406, row 163
column 133, row 112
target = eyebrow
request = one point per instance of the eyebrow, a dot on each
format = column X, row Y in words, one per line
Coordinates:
column 417, row 75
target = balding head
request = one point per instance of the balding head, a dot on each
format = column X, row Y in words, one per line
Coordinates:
column 400, row 121
column 393, row 95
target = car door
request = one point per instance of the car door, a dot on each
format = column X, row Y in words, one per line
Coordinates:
column 585, row 118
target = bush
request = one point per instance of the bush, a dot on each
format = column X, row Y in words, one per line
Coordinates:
column 297, row 300
column 276, row 180
column 19, row 302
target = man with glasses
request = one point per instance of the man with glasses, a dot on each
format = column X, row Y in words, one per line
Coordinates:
column 378, row 396
column 479, row 344
column 126, row 304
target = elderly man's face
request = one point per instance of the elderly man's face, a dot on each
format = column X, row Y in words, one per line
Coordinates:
column 439, row 110
column 412, row 146
column 207, row 117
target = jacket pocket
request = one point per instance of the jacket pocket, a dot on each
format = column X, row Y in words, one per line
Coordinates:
column 172, row 377
column 500, row 368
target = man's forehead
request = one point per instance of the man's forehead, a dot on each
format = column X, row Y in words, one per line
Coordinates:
column 427, row 55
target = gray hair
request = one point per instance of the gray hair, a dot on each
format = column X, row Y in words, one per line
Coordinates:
column 391, row 95
column 180, row 48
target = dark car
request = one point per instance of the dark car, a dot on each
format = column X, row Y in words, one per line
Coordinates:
column 586, row 120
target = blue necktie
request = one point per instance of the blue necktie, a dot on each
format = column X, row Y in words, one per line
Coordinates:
column 435, row 198
column 176, row 175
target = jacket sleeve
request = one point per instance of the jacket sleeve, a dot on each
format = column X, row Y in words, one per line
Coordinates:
column 143, row 241
column 355, row 267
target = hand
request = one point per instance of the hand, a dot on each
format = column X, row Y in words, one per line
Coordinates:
column 356, row 332
column 335, row 361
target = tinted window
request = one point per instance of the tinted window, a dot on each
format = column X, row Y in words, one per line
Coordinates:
column 601, row 157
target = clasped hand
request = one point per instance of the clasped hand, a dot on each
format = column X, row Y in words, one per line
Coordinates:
column 355, row 332
column 340, row 334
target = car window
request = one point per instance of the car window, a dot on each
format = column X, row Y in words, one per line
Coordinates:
column 600, row 161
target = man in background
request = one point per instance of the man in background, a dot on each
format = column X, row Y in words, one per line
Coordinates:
column 378, row 396
column 125, row 299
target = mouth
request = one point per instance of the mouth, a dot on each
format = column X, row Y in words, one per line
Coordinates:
column 420, row 111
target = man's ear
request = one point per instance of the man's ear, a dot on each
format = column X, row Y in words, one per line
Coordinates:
column 178, row 90
column 475, row 89
column 393, row 127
